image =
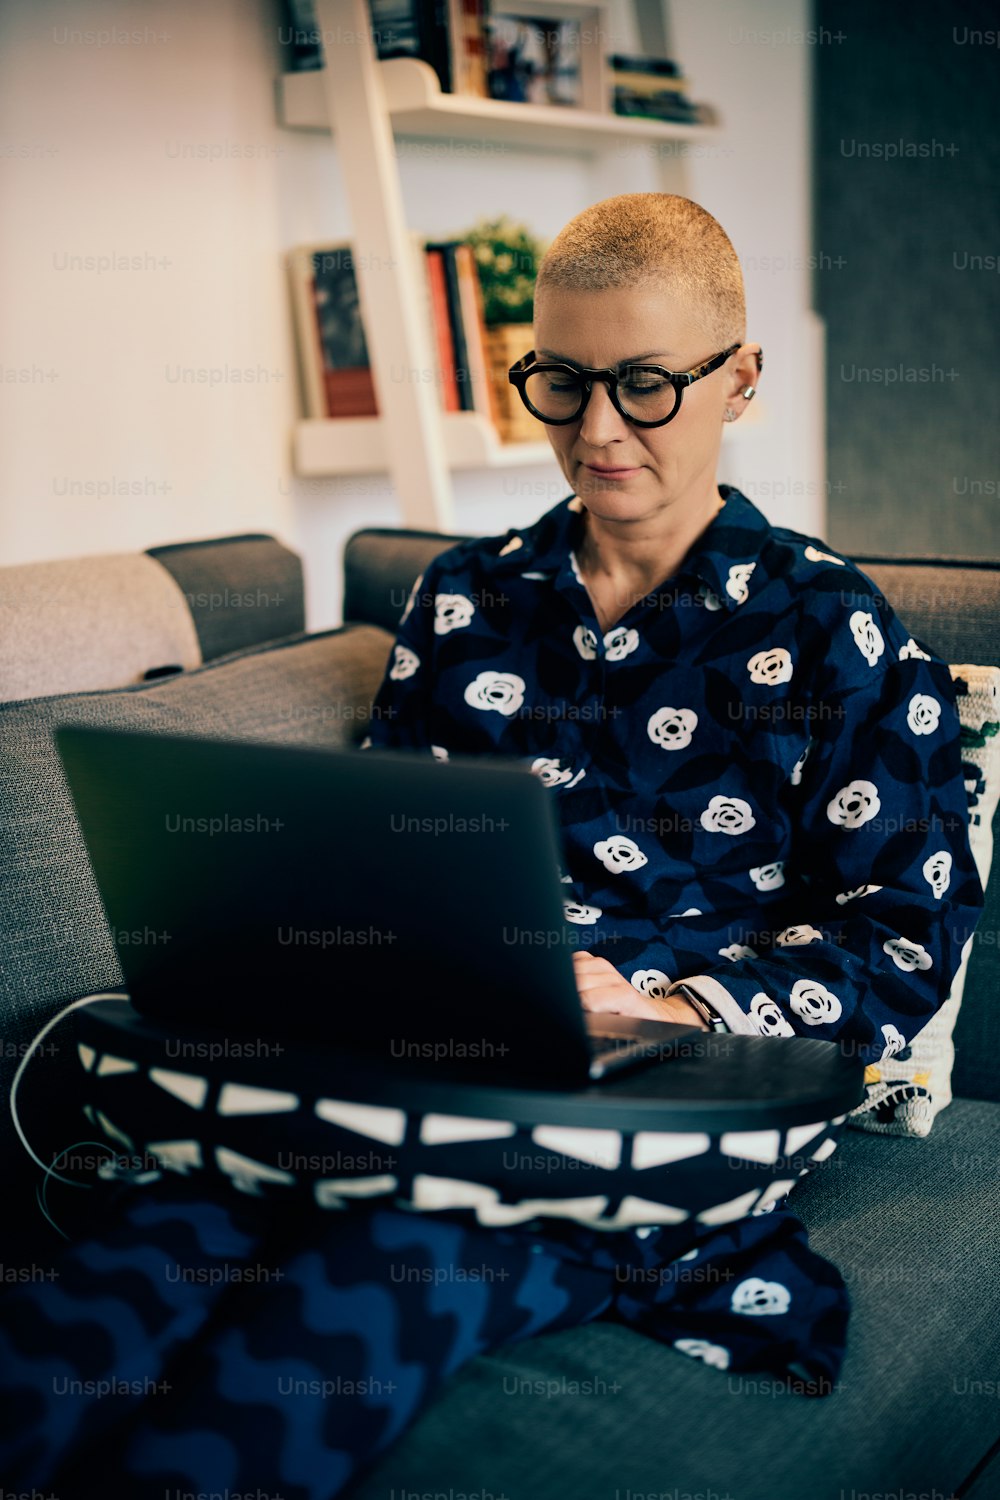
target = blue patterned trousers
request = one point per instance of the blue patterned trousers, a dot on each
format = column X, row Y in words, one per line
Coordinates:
column 211, row 1344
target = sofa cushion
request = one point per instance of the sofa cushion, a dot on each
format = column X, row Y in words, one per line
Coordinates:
column 79, row 624
column 240, row 590
column 905, row 1093
column 54, row 936
column 92, row 622
column 908, row 1225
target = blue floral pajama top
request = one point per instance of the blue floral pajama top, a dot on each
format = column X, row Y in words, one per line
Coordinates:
column 757, row 769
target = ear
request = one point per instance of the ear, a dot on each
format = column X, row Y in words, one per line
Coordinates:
column 742, row 379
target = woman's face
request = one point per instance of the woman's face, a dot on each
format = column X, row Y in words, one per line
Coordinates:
column 660, row 466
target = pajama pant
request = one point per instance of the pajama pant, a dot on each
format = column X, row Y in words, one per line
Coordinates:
column 213, row 1343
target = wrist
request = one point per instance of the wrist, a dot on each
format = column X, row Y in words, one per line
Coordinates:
column 705, row 1012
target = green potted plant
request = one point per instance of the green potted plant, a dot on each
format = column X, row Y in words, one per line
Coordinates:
column 507, row 257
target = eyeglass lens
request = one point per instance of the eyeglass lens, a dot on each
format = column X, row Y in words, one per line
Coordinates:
column 558, row 393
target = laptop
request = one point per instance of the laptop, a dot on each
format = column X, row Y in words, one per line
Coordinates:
column 378, row 901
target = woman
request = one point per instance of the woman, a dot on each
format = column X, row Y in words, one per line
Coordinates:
column 758, row 778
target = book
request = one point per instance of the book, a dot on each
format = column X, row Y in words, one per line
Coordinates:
column 395, row 27
column 665, row 67
column 310, row 359
column 461, row 361
column 444, row 342
column 467, row 47
column 474, row 325
column 435, row 43
column 333, row 352
column 300, row 37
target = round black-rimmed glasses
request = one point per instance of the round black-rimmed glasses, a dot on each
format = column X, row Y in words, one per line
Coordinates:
column 647, row 395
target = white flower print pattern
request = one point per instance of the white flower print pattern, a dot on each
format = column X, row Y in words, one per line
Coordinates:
column 652, row 982
column 854, row 805
column 672, row 728
column 452, row 612
column 620, row 642
column 895, row 1042
column 581, row 913
column 814, row 1003
column 937, row 871
column 552, row 772
column 815, row 555
column 923, row 714
column 769, row 877
column 771, row 667
column 761, row 1298
column 736, row 583
column 713, row 1354
column 404, row 663
column 912, row 652
column 765, row 1015
column 859, row 890
column 867, row 636
column 796, row 773
column 728, row 815
column 619, row 854
column 906, row 955
column 585, row 642
column 793, row 936
column 502, row 691
column 736, row 951
column 439, row 752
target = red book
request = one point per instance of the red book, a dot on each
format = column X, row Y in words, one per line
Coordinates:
column 350, row 393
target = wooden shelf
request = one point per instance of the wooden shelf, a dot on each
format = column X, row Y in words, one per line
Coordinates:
column 356, row 445
column 417, row 107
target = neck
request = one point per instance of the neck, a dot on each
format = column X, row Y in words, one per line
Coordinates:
column 633, row 557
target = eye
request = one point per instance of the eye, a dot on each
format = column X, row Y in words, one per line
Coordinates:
column 645, row 384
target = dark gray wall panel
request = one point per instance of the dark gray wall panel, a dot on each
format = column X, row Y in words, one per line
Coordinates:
column 913, row 465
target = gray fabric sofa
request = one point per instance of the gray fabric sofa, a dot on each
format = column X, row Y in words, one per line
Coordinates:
column 912, row 1224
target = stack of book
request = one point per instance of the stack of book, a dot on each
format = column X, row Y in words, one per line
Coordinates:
column 470, row 369
column 654, row 89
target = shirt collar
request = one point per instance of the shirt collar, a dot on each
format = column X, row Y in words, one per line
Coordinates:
column 725, row 558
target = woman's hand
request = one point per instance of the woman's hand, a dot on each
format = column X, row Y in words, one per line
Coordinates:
column 602, row 988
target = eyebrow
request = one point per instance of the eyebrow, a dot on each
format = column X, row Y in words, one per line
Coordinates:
column 633, row 359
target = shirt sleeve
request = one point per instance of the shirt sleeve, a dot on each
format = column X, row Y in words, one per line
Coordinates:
column 882, row 892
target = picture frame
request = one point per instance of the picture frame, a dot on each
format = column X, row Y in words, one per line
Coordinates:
column 549, row 52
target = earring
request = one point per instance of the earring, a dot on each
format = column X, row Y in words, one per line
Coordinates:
column 749, row 393
column 730, row 415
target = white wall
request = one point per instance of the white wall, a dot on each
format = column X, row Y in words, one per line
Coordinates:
column 122, row 424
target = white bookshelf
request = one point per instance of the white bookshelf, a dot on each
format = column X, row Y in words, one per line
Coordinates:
column 418, row 108
column 357, row 445
column 365, row 104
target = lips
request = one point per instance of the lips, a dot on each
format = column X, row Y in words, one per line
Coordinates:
column 612, row 473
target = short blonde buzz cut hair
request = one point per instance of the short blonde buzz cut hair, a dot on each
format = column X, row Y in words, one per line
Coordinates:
column 652, row 240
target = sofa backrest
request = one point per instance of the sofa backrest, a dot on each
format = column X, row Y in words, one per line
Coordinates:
column 951, row 605
column 80, row 624
column 55, row 941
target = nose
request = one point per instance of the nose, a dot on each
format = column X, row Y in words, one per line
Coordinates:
column 600, row 422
